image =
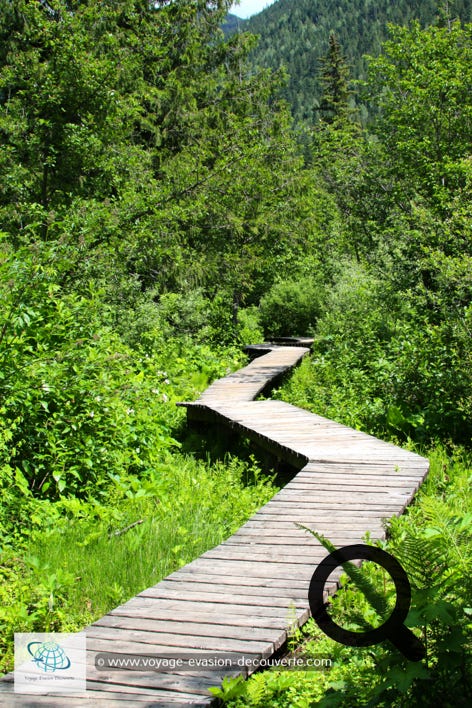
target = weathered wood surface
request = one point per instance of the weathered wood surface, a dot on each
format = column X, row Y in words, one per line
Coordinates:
column 244, row 596
column 248, row 382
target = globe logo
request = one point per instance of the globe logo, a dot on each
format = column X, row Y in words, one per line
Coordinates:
column 50, row 656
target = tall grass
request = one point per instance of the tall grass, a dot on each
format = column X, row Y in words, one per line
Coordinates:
column 85, row 557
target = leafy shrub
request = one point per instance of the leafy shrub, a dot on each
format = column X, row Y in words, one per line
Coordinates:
column 186, row 313
column 291, row 308
column 380, row 364
column 249, row 326
column 75, row 400
column 343, row 378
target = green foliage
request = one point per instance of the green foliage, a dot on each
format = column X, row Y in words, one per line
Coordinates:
column 291, row 307
column 76, row 400
column 341, row 380
column 394, row 356
column 421, row 83
column 73, row 563
column 230, row 688
column 413, row 384
column 376, row 600
column 71, row 391
column 33, row 600
column 250, row 327
column 176, row 161
column 294, row 33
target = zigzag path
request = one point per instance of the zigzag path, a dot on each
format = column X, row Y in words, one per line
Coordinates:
column 244, row 596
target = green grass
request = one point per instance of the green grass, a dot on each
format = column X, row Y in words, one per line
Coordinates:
column 79, row 561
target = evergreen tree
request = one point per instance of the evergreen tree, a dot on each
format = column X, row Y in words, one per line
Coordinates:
column 292, row 34
column 334, row 77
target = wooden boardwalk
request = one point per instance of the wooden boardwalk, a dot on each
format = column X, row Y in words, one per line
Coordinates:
column 245, row 595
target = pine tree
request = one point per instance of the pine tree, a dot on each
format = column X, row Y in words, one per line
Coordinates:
column 334, row 77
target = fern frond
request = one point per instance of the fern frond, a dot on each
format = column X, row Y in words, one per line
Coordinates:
column 455, row 530
column 375, row 599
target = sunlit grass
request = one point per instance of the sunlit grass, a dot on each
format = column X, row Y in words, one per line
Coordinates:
column 87, row 557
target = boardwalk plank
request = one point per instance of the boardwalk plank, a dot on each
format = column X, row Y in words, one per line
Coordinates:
column 207, row 607
column 176, row 626
column 241, row 580
column 182, row 641
column 187, row 617
column 227, row 598
column 183, row 585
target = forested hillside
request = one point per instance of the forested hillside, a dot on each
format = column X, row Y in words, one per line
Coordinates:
column 294, row 34
column 157, row 212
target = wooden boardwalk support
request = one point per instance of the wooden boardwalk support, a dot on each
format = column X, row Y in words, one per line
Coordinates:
column 244, row 596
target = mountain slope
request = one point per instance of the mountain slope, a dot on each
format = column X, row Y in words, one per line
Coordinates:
column 294, row 33
column 233, row 24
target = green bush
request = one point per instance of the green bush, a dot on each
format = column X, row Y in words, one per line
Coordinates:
column 291, row 307
column 75, row 400
column 249, row 326
column 380, row 364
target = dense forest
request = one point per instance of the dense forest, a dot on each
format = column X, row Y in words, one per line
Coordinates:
column 294, row 34
column 158, row 210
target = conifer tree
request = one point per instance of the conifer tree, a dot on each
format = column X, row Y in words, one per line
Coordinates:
column 334, row 77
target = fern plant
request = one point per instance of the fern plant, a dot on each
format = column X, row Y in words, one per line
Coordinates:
column 376, row 599
column 437, row 559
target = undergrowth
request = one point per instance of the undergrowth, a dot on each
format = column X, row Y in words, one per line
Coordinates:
column 80, row 558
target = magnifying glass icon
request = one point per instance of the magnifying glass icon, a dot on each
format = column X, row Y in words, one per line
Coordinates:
column 393, row 628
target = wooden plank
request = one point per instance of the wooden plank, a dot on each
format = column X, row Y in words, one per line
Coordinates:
column 98, row 699
column 132, row 648
column 171, row 682
column 204, row 607
column 106, row 695
column 253, row 601
column 381, row 509
column 156, row 697
column 190, row 685
column 187, row 642
column 283, row 583
column 255, row 570
column 176, row 626
column 323, row 512
column 299, row 491
column 414, row 465
column 127, row 695
column 268, row 554
column 183, row 585
column 322, row 481
column 297, row 501
column 188, row 617
column 290, row 542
